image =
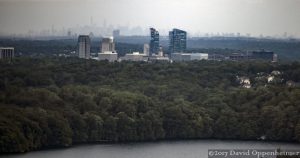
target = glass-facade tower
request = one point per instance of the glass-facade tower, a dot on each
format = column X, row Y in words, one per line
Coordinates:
column 177, row 41
column 154, row 42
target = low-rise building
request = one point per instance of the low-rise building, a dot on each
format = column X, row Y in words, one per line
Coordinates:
column 199, row 56
column 239, row 57
column 176, row 57
column 189, row 56
column 263, row 55
column 216, row 57
column 135, row 56
column 110, row 56
column 159, row 59
column 244, row 82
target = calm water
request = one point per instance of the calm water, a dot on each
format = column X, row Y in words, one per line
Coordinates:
column 167, row 149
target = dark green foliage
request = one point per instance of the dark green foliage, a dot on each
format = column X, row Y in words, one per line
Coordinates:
column 61, row 101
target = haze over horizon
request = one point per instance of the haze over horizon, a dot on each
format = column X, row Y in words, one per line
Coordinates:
column 256, row 17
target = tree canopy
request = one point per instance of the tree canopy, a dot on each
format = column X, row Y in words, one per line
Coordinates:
column 56, row 102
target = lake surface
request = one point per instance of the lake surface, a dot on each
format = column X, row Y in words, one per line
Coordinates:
column 164, row 149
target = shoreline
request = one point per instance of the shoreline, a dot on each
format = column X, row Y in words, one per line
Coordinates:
column 143, row 142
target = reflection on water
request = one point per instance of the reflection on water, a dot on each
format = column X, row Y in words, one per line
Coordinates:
column 165, row 149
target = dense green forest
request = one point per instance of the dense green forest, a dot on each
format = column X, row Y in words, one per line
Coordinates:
column 57, row 102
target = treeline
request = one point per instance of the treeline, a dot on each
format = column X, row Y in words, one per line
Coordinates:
column 58, row 102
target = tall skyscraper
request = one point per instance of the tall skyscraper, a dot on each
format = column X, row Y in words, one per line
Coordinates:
column 177, row 41
column 160, row 52
column 108, row 45
column 7, row 53
column 154, row 42
column 108, row 51
column 146, row 49
column 84, row 46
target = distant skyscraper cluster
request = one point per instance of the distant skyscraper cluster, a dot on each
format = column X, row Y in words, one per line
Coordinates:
column 177, row 41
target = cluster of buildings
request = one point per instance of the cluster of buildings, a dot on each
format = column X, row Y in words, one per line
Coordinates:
column 108, row 51
column 153, row 51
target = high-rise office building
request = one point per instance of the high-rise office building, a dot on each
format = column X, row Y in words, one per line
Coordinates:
column 108, row 45
column 84, row 46
column 108, row 51
column 154, row 42
column 146, row 49
column 160, row 52
column 177, row 41
column 7, row 53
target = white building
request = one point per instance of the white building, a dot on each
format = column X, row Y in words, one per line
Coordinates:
column 108, row 45
column 199, row 56
column 110, row 56
column 146, row 49
column 135, row 56
column 108, row 51
column 189, row 56
column 84, row 46
column 160, row 52
column 159, row 59
column 7, row 53
column 244, row 82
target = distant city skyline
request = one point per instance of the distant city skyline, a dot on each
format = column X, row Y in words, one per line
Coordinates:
column 277, row 18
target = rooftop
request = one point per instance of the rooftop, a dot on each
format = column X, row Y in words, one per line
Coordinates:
column 108, row 52
column 7, row 48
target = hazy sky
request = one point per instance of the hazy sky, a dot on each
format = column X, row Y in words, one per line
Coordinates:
column 268, row 17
